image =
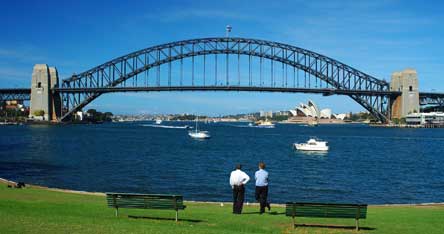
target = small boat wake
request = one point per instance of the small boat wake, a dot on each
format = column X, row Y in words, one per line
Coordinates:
column 237, row 125
column 249, row 126
column 166, row 126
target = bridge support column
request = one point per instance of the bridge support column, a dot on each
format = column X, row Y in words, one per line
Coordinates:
column 44, row 105
column 408, row 102
column 55, row 99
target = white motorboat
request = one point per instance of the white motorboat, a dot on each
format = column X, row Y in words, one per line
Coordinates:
column 199, row 134
column 312, row 145
column 158, row 121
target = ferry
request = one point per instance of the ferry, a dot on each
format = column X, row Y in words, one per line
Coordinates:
column 312, row 145
column 158, row 121
column 264, row 124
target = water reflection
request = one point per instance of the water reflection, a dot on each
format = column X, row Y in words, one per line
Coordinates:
column 312, row 153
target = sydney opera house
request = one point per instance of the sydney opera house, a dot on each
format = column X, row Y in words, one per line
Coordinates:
column 310, row 111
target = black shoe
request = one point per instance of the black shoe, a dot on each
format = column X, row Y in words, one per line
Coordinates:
column 268, row 206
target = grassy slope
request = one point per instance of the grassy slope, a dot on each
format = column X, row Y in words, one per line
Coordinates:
column 40, row 211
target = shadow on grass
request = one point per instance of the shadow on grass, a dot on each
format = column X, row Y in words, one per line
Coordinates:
column 249, row 213
column 172, row 219
column 266, row 213
column 333, row 226
column 276, row 213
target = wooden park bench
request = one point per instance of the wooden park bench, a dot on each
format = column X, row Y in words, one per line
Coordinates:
column 326, row 210
column 145, row 201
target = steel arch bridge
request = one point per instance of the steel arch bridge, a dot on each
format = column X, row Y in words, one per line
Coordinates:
column 265, row 66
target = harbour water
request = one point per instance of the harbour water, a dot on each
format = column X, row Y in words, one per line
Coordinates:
column 364, row 164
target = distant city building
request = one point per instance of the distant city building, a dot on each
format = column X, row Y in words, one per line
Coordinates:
column 266, row 114
column 282, row 113
column 425, row 118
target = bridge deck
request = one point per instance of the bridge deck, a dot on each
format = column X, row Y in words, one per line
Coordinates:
column 325, row 91
column 15, row 94
column 15, row 91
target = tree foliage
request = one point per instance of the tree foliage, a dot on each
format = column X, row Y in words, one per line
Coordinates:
column 92, row 115
column 39, row 113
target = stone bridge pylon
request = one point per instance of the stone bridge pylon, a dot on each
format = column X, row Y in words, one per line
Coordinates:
column 45, row 104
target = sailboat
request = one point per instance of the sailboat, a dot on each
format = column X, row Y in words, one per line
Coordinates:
column 199, row 134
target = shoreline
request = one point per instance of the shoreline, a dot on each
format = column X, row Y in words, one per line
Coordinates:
column 102, row 194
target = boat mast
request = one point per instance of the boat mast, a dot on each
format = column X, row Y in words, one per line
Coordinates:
column 197, row 119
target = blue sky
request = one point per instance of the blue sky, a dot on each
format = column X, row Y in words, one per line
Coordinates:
column 376, row 37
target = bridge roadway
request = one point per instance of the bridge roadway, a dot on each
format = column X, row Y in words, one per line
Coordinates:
column 324, row 91
column 14, row 94
column 24, row 94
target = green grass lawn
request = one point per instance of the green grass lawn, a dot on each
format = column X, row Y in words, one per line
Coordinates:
column 33, row 210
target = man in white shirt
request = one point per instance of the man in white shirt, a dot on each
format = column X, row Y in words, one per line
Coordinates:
column 238, row 179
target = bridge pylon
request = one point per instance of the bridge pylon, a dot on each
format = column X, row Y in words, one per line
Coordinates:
column 405, row 82
column 44, row 105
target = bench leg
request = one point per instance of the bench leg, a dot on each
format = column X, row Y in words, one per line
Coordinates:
column 117, row 212
column 357, row 224
column 177, row 215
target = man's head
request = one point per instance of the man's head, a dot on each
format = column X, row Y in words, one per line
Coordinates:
column 238, row 166
column 261, row 165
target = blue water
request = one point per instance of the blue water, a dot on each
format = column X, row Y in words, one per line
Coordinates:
column 364, row 164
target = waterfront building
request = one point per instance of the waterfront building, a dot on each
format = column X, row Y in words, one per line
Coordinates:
column 436, row 118
column 341, row 116
column 306, row 113
column 311, row 110
column 79, row 115
column 326, row 114
column 13, row 105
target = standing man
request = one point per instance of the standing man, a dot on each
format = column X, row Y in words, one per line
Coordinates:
column 261, row 193
column 238, row 179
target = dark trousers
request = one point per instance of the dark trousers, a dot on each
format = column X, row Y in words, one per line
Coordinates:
column 261, row 195
column 238, row 198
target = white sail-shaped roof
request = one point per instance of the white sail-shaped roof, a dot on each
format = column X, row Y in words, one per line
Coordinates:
column 314, row 108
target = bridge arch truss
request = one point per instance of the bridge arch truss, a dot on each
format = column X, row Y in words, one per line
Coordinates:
column 125, row 73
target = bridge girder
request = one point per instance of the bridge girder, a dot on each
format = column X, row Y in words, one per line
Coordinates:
column 15, row 94
column 432, row 99
column 337, row 75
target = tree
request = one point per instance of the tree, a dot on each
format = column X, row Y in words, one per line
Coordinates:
column 92, row 112
column 96, row 116
column 39, row 113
